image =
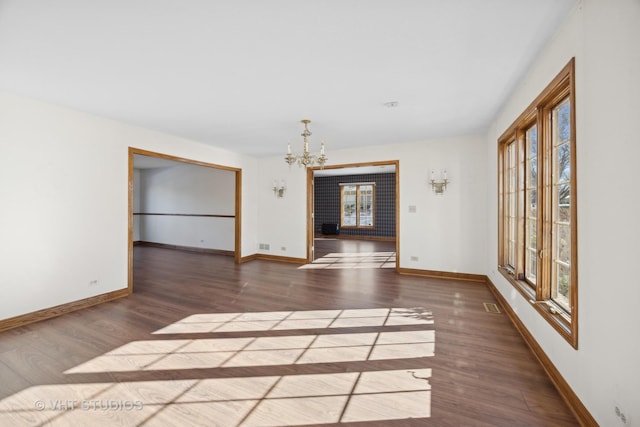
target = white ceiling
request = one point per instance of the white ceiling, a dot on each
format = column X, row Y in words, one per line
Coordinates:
column 240, row 74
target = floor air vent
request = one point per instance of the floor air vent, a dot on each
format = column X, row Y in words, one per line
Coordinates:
column 490, row 307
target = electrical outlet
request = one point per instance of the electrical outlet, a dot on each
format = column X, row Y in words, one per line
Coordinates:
column 414, row 258
column 283, row 248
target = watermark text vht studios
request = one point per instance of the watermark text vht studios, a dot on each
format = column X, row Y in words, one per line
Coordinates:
column 88, row 405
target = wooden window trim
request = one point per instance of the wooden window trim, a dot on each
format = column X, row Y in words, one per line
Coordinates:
column 561, row 87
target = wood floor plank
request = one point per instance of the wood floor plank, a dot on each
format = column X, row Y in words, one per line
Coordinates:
column 283, row 324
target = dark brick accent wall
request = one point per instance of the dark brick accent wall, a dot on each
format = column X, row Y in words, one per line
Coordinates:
column 327, row 203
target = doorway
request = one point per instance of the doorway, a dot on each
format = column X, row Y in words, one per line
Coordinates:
column 379, row 238
column 163, row 159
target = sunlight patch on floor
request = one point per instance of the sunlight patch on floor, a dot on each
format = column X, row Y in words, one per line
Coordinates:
column 283, row 320
column 261, row 351
column 365, row 394
column 245, row 401
column 341, row 260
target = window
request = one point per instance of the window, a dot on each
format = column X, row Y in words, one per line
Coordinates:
column 537, row 205
column 357, row 205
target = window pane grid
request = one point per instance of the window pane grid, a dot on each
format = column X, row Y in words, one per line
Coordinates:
column 349, row 205
column 561, row 205
column 560, row 291
column 365, row 218
column 357, row 205
column 531, row 205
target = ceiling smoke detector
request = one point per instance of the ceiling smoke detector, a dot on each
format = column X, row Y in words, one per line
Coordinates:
column 391, row 104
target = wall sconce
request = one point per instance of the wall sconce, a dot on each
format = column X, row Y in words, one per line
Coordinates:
column 279, row 188
column 439, row 185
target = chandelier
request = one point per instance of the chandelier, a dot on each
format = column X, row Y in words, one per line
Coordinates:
column 307, row 159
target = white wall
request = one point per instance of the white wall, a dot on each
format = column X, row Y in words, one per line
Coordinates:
column 283, row 221
column 63, row 189
column 604, row 37
column 136, row 204
column 447, row 233
column 188, row 189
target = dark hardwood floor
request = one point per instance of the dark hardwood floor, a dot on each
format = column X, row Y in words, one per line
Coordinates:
column 203, row 341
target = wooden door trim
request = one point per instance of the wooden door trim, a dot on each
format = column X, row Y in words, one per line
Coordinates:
column 238, row 203
column 310, row 178
column 310, row 213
